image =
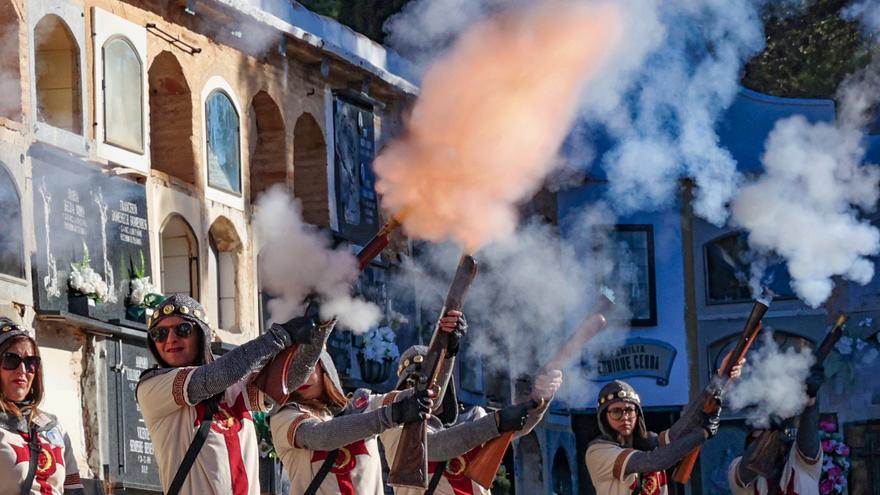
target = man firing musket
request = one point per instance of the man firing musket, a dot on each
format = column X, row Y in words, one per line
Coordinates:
column 784, row 459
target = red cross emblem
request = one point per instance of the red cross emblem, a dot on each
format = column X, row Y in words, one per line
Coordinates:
column 48, row 460
column 454, row 472
column 650, row 483
column 344, row 464
column 227, row 421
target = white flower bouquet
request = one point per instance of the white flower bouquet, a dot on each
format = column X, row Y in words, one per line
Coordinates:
column 86, row 281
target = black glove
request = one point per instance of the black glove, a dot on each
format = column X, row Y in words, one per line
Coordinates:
column 711, row 422
column 300, row 329
column 414, row 408
column 815, row 380
column 461, row 328
column 513, row 417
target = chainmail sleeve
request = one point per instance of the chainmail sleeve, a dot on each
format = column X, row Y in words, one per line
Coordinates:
column 664, row 457
column 448, row 443
column 691, row 417
column 808, row 432
column 535, row 416
column 343, row 430
column 303, row 364
column 212, row 378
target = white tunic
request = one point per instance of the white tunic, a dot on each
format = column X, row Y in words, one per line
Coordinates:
column 606, row 462
column 228, row 463
column 358, row 467
column 800, row 476
column 56, row 464
column 453, row 481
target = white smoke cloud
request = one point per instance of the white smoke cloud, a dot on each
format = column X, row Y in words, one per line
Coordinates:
column 773, row 383
column 296, row 260
column 659, row 96
column 867, row 12
column 662, row 102
column 531, row 291
column 806, row 205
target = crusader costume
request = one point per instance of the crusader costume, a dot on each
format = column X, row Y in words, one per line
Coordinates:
column 454, row 439
column 330, row 448
column 175, row 402
column 797, row 464
column 33, row 446
column 638, row 466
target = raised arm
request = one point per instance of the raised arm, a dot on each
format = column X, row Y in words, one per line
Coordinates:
column 448, row 443
column 213, row 378
column 664, row 457
column 303, row 363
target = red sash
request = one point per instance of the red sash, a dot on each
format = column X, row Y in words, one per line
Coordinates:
column 344, row 465
column 454, row 472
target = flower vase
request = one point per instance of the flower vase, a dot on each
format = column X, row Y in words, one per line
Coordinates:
column 79, row 304
column 139, row 314
column 374, row 371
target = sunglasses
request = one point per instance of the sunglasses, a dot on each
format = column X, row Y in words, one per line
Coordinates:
column 618, row 412
column 183, row 330
column 11, row 361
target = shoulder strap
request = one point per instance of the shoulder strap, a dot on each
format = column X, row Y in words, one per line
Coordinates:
column 34, row 445
column 201, row 435
column 322, row 472
column 435, row 478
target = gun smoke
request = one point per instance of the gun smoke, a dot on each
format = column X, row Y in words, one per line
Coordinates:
column 772, row 386
column 867, row 12
column 531, row 291
column 478, row 140
column 806, row 205
column 296, row 260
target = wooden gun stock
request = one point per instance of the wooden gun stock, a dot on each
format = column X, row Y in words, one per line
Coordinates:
column 410, row 466
column 753, row 325
column 272, row 379
column 483, row 468
column 761, row 456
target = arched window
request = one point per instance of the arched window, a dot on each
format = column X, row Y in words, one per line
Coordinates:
column 310, row 170
column 225, row 250
column 729, row 269
column 171, row 145
column 180, row 258
column 10, row 62
column 223, row 143
column 269, row 152
column 11, row 240
column 56, row 66
column 123, row 95
column 561, row 474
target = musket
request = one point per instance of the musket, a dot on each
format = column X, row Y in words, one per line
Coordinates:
column 769, row 445
column 272, row 379
column 410, row 467
column 483, row 468
column 753, row 325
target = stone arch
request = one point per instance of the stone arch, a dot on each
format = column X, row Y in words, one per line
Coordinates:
column 171, row 119
column 180, row 257
column 57, row 72
column 561, row 474
column 12, row 260
column 225, row 258
column 10, row 61
column 269, row 152
column 310, row 170
column 529, row 453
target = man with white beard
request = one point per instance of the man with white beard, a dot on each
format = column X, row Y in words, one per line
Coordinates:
column 796, row 466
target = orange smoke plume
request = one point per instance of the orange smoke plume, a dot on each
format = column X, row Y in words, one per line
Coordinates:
column 491, row 117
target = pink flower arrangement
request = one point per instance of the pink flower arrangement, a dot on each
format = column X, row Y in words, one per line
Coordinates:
column 835, row 465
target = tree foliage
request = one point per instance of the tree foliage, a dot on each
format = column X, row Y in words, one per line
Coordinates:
column 810, row 50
